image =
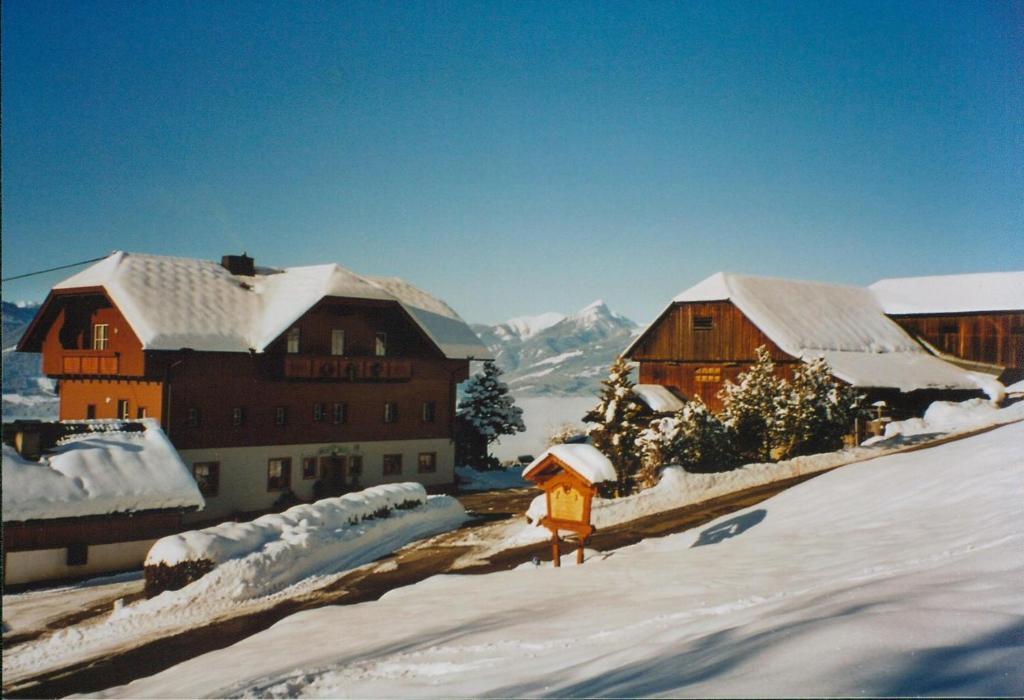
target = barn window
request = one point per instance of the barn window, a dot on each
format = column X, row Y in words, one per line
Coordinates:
column 429, row 411
column 100, row 336
column 293, row 340
column 192, row 417
column 708, row 374
column 380, row 348
column 392, row 465
column 280, row 416
column 279, row 474
column 122, row 409
column 207, row 476
column 77, row 554
column 90, row 411
column 703, row 323
column 141, row 412
column 337, row 342
column 340, row 413
column 390, row 412
column 237, row 416
column 309, row 467
column 318, row 412
column 427, row 462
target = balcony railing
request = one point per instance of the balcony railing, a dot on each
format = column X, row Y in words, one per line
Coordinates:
column 347, row 369
column 90, row 362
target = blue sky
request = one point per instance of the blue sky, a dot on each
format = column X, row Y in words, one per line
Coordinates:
column 519, row 157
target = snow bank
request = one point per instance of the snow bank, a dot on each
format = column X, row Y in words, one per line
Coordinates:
column 948, row 417
column 95, row 473
column 230, row 540
column 472, row 480
column 585, row 460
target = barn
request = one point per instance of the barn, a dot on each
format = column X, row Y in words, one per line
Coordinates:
column 93, row 501
column 709, row 334
column 974, row 320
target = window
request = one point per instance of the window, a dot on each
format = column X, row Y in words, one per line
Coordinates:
column 77, row 554
column 309, row 467
column 355, row 465
column 318, row 412
column 703, row 323
column 390, row 412
column 279, row 474
column 293, row 340
column 337, row 342
column 122, row 409
column 100, row 336
column 141, row 412
column 280, row 416
column 207, row 476
column 340, row 413
column 237, row 416
column 708, row 374
column 90, row 411
column 429, row 411
column 192, row 417
column 427, row 463
column 380, row 348
column 392, row 465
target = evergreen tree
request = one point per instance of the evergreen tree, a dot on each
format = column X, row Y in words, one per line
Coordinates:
column 816, row 412
column 619, row 418
column 693, row 437
column 488, row 408
column 749, row 408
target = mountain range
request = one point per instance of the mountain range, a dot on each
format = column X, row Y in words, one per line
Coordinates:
column 557, row 355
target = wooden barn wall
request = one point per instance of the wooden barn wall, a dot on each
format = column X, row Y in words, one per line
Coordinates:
column 732, row 337
column 96, row 529
column 702, row 379
column 76, row 395
column 995, row 338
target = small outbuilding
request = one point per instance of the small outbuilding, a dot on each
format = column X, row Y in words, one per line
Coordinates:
column 89, row 497
column 568, row 474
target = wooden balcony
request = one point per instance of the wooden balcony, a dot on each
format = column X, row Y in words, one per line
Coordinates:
column 90, row 362
column 347, row 369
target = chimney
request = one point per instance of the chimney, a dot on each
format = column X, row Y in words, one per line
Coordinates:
column 238, row 264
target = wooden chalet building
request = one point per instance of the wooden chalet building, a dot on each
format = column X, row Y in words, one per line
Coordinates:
column 975, row 320
column 709, row 333
column 306, row 380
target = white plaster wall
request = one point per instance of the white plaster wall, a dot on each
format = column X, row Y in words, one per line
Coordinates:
column 47, row 564
column 243, row 470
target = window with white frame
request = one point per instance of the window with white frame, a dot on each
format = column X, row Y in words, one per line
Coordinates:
column 380, row 346
column 337, row 342
column 293, row 340
column 100, row 336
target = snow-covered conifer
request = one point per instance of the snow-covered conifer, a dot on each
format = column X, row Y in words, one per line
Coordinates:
column 816, row 412
column 693, row 437
column 749, row 407
column 619, row 418
column 488, row 407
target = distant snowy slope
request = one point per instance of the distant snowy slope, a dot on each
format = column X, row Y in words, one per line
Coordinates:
column 27, row 393
column 555, row 355
column 898, row 576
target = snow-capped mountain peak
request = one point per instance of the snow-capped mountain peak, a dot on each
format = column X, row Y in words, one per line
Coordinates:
column 525, row 327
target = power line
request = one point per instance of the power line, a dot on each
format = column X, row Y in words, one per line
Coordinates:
column 52, row 269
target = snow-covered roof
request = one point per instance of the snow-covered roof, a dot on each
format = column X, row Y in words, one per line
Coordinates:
column 97, row 473
column 845, row 324
column 658, row 398
column 983, row 291
column 585, row 460
column 174, row 303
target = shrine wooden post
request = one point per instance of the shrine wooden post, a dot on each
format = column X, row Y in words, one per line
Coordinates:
column 568, row 492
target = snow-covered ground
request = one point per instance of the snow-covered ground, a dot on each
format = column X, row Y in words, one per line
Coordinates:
column 894, row 576
column 286, row 566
